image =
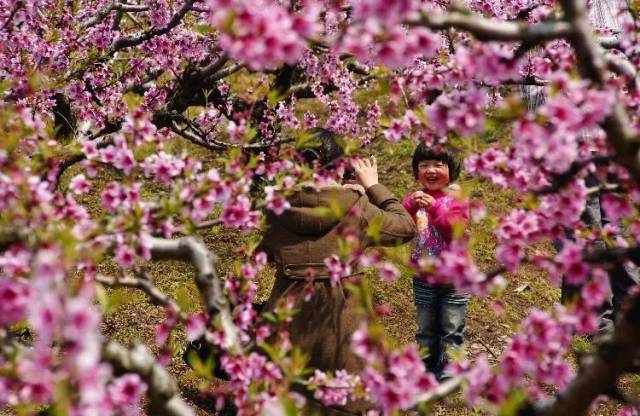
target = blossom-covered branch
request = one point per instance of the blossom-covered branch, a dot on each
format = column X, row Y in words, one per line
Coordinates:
column 598, row 373
column 176, row 19
column 164, row 395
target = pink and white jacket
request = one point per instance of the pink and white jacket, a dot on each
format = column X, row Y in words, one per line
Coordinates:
column 443, row 214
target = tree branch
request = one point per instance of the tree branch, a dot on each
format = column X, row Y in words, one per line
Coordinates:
column 214, row 66
column 115, row 6
column 561, row 180
column 224, row 72
column 210, row 285
column 164, row 395
column 443, row 390
column 492, row 29
column 123, row 43
column 144, row 282
column 70, row 161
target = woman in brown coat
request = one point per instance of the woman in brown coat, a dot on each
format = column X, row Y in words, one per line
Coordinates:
column 299, row 241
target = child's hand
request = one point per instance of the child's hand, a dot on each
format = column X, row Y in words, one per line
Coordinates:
column 366, row 172
column 422, row 199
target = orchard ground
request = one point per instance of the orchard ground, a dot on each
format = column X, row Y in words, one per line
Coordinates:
column 129, row 316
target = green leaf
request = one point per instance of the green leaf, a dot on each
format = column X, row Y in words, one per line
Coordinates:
column 513, row 404
column 271, row 317
column 132, row 100
column 374, row 228
column 201, row 368
column 274, row 97
column 183, row 298
column 336, row 208
column 306, row 139
column 205, row 29
column 103, row 298
column 227, row 24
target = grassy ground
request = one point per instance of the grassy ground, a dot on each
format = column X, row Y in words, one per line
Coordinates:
column 132, row 318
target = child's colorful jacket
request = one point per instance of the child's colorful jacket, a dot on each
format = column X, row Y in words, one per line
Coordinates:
column 446, row 211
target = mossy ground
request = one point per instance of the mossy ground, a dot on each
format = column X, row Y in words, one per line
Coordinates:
column 132, row 318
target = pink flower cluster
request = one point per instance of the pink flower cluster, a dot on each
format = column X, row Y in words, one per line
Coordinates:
column 334, row 390
column 533, row 360
column 58, row 315
column 338, row 268
column 460, row 111
column 245, row 372
column 263, row 34
column 393, row 379
column 15, row 296
column 453, row 266
column 395, row 47
column 521, row 227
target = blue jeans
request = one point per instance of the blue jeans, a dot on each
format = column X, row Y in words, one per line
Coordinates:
column 441, row 319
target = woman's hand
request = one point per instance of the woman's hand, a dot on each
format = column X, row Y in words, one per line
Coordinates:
column 366, row 171
column 422, row 199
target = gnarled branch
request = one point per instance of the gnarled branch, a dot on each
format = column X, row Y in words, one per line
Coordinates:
column 216, row 305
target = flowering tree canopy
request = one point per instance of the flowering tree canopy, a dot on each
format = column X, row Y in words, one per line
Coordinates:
column 98, row 85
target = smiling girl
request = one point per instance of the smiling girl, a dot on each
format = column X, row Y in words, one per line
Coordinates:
column 441, row 309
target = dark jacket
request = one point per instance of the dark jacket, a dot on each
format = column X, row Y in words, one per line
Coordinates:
column 324, row 324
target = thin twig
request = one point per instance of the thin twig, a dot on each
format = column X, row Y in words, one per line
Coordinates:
column 144, row 282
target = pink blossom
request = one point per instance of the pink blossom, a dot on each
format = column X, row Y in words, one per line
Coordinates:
column 46, row 316
column 125, row 256
column 337, row 269
column 458, row 111
column 82, row 320
column 195, row 326
column 510, row 255
column 333, row 390
column 276, row 202
column 616, row 207
column 260, row 259
column 15, row 296
column 388, row 272
column 79, row 185
column 596, row 290
column 571, row 263
column 127, row 390
column 237, row 213
column 263, row 34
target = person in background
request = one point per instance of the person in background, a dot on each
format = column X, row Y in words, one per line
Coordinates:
column 441, row 309
column 622, row 277
column 299, row 241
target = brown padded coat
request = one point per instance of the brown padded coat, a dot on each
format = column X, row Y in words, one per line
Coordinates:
column 323, row 326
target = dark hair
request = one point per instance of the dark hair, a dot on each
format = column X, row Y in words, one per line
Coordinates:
column 326, row 151
column 424, row 152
